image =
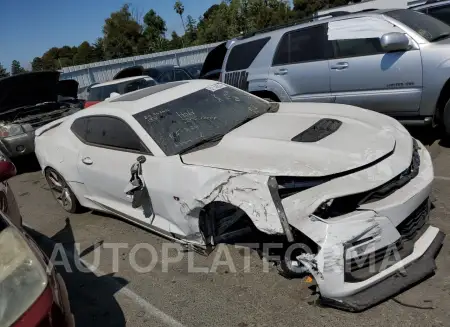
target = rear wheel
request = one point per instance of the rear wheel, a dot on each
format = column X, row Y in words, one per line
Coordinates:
column 61, row 191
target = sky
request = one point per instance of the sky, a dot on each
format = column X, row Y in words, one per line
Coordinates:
column 28, row 28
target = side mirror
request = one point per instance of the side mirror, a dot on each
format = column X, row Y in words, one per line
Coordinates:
column 113, row 95
column 7, row 170
column 394, row 42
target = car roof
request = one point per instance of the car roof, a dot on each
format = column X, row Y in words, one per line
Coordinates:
column 430, row 4
column 302, row 24
column 120, row 80
column 147, row 98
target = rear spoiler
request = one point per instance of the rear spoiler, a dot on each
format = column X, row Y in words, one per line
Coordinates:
column 45, row 128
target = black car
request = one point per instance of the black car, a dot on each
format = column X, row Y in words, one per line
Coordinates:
column 171, row 73
column 435, row 8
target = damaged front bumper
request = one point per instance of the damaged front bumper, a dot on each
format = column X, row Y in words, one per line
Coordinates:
column 398, row 278
column 377, row 251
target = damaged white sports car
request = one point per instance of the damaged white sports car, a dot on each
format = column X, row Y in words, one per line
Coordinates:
column 203, row 163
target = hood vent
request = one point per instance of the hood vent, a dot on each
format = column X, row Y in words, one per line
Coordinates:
column 318, row 131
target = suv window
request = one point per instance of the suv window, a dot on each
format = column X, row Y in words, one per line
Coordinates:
column 242, row 55
column 358, row 36
column 112, row 132
column 181, row 75
column 139, row 84
column 307, row 44
column 442, row 13
column 357, row 47
column 166, row 77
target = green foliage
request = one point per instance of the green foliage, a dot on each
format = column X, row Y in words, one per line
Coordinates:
column 121, row 34
column 3, row 72
column 16, row 68
column 125, row 35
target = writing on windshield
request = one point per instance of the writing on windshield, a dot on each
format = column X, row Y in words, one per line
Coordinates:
column 186, row 121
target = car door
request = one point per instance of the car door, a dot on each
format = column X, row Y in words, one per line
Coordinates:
column 111, row 148
column 364, row 75
column 300, row 64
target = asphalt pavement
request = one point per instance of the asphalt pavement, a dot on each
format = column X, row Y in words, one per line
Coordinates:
column 113, row 293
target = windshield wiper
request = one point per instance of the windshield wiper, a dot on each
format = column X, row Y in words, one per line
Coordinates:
column 440, row 37
column 211, row 139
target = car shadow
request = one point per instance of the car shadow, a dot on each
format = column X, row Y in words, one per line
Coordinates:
column 428, row 136
column 26, row 164
column 91, row 297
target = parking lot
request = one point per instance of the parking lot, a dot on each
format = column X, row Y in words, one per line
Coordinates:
column 103, row 297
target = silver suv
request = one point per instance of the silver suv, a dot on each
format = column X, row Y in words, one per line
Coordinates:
column 392, row 61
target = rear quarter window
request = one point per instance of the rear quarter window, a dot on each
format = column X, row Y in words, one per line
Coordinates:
column 242, row 55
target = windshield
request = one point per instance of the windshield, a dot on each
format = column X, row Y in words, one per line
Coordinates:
column 211, row 112
column 428, row 27
column 100, row 93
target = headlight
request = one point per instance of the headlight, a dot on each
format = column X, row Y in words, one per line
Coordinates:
column 288, row 186
column 22, row 277
column 10, row 130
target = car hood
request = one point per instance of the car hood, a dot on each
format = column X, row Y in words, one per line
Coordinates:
column 68, row 88
column 28, row 89
column 335, row 139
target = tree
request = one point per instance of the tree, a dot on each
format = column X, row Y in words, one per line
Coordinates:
column 305, row 8
column 98, row 53
column 16, row 68
column 84, row 54
column 154, row 32
column 121, row 34
column 191, row 30
column 3, row 72
column 37, row 65
column 176, row 42
column 179, row 9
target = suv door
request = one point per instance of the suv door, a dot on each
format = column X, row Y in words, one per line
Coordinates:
column 300, row 64
column 364, row 75
column 111, row 148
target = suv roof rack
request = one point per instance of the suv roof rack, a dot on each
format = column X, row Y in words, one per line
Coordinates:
column 296, row 22
column 417, row 3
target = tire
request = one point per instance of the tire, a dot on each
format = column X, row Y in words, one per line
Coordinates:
column 270, row 100
column 446, row 120
column 61, row 191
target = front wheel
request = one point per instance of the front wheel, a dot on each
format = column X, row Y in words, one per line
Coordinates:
column 446, row 120
column 61, row 191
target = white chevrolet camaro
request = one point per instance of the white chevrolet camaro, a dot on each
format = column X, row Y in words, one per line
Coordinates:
column 204, row 163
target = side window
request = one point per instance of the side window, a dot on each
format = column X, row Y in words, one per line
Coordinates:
column 307, row 44
column 442, row 13
column 79, row 128
column 181, row 75
column 359, row 36
column 112, row 132
column 242, row 55
column 357, row 47
column 166, row 77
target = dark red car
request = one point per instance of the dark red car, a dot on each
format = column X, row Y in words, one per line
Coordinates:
column 31, row 293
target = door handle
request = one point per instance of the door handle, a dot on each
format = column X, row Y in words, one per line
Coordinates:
column 87, row 161
column 340, row 66
column 281, row 71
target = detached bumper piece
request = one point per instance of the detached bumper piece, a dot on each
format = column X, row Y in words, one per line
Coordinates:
column 416, row 271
